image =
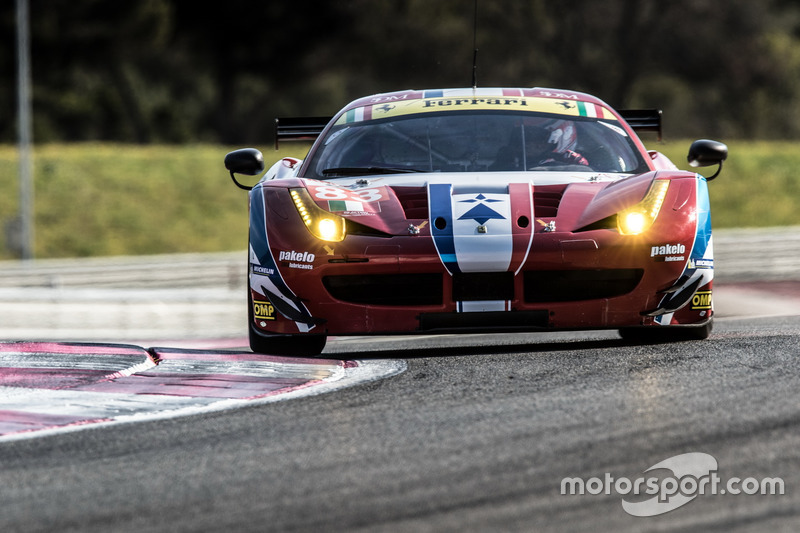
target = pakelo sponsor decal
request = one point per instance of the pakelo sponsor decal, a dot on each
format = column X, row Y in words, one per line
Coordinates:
column 668, row 252
column 701, row 300
column 263, row 310
column 295, row 259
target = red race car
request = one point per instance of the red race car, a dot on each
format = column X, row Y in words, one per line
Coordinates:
column 476, row 210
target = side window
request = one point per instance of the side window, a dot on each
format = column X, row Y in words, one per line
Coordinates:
column 608, row 147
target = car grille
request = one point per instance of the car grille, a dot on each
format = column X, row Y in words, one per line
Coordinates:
column 575, row 285
column 473, row 287
column 386, row 289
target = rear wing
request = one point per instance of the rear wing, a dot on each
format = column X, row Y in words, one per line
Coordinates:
column 643, row 119
column 299, row 128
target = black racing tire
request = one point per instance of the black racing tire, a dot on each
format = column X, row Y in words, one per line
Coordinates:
column 666, row 333
column 307, row 345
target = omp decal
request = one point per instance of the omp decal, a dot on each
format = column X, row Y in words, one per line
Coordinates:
column 701, row 300
column 272, row 284
column 263, row 310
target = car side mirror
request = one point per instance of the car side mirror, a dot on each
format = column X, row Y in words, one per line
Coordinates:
column 704, row 153
column 248, row 161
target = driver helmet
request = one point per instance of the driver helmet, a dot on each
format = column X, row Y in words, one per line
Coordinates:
column 563, row 137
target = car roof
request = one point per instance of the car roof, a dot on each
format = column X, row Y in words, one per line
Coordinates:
column 552, row 101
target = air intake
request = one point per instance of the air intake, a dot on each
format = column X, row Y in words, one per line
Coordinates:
column 546, row 199
column 414, row 201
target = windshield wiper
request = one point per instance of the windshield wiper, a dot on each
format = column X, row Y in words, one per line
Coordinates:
column 363, row 171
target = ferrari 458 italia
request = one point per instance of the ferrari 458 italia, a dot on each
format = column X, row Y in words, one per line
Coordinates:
column 476, row 210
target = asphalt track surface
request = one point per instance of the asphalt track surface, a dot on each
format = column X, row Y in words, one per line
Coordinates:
column 476, row 435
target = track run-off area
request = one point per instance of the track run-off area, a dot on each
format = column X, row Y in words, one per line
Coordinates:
column 51, row 387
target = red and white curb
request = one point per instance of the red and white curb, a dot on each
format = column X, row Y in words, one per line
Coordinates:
column 47, row 388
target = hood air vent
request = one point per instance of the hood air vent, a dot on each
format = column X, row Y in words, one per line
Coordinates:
column 546, row 199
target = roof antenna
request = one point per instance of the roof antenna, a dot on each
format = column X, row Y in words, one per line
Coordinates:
column 475, row 48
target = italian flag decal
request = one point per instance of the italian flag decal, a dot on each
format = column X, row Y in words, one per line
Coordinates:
column 586, row 109
column 345, row 205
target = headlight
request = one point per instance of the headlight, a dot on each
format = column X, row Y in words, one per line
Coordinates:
column 324, row 225
column 640, row 217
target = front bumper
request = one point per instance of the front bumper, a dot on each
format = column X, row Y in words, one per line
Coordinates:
column 577, row 279
column 567, row 282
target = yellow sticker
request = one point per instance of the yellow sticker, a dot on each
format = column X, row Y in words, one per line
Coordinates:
column 263, row 310
column 701, row 300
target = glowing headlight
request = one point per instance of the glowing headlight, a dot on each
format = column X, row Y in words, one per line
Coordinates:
column 328, row 229
column 322, row 224
column 640, row 217
column 633, row 223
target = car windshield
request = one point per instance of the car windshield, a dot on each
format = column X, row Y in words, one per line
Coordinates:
column 474, row 141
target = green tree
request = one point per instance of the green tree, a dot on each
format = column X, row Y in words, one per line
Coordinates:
column 178, row 70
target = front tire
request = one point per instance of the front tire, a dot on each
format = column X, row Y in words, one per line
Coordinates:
column 308, row 345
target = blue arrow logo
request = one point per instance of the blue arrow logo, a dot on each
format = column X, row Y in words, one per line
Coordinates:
column 481, row 212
